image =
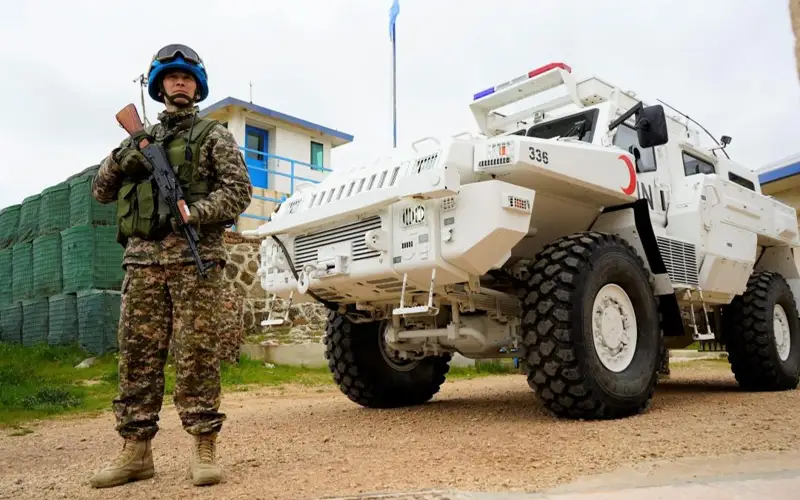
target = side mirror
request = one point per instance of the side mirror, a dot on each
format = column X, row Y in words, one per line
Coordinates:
column 651, row 127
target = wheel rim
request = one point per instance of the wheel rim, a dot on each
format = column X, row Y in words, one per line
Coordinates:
column 391, row 356
column 614, row 327
column 783, row 334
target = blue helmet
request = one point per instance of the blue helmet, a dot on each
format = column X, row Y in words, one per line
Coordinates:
column 176, row 57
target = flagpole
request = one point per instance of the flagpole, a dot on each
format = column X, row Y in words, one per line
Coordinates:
column 394, row 11
column 394, row 86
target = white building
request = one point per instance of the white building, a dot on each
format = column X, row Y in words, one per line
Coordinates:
column 781, row 179
column 281, row 151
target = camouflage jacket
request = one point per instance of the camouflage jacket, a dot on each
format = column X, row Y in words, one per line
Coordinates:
column 221, row 165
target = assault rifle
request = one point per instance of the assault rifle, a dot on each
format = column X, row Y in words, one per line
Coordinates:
column 169, row 189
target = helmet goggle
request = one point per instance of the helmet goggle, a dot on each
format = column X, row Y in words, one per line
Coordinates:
column 169, row 53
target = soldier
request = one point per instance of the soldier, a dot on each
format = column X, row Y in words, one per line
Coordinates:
column 163, row 295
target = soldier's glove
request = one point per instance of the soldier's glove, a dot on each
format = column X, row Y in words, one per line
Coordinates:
column 132, row 163
column 194, row 220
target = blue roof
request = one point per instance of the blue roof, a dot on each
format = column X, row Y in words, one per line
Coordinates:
column 780, row 173
column 232, row 101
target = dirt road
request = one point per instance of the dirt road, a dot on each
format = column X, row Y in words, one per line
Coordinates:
column 485, row 434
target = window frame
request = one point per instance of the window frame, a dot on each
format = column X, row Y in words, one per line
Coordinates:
column 652, row 150
column 321, row 154
column 590, row 115
column 741, row 181
column 698, row 159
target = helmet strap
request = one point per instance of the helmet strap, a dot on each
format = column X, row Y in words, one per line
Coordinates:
column 171, row 100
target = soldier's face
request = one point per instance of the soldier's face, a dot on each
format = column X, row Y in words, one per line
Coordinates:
column 180, row 86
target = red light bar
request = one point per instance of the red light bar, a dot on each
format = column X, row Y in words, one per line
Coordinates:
column 548, row 67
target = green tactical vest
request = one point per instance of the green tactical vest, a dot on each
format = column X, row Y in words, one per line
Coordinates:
column 138, row 210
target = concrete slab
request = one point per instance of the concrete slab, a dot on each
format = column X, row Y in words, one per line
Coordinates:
column 310, row 355
column 689, row 354
column 738, row 477
column 313, row 355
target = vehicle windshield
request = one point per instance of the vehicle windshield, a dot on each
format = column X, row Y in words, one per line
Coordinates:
column 580, row 126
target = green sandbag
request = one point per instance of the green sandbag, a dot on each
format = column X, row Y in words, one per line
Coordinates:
column 98, row 320
column 34, row 321
column 54, row 209
column 84, row 209
column 22, row 272
column 89, row 171
column 91, row 258
column 63, row 319
column 6, row 276
column 11, row 323
column 9, row 225
column 47, row 265
column 29, row 219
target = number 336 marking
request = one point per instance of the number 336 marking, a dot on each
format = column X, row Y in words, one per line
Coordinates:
column 538, row 155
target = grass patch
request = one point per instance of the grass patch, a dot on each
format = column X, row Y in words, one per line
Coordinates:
column 482, row 369
column 42, row 381
column 250, row 372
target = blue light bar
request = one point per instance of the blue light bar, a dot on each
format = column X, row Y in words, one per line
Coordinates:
column 483, row 93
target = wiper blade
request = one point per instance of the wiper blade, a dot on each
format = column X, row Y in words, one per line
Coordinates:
column 578, row 128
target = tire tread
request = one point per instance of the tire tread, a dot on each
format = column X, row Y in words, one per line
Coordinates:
column 549, row 343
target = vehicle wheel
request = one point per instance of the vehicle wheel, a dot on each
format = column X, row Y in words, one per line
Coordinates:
column 590, row 327
column 369, row 375
column 762, row 335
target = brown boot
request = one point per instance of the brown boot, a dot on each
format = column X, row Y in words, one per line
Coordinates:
column 204, row 469
column 134, row 463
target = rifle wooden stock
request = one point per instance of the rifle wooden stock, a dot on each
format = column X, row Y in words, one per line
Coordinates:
column 128, row 118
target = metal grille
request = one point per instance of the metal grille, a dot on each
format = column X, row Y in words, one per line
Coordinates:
column 294, row 205
column 494, row 162
column 680, row 258
column 389, row 285
column 413, row 216
column 306, row 247
column 426, row 163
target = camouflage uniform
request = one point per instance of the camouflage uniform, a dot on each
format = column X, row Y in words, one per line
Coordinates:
column 163, row 296
column 231, row 328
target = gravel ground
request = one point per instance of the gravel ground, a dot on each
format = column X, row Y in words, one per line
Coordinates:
column 478, row 435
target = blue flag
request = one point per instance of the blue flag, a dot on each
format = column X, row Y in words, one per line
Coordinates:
column 393, row 12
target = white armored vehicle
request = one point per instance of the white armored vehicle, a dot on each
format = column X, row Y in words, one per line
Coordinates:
column 582, row 234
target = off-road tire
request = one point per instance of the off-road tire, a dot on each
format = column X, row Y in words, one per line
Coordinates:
column 353, row 351
column 750, row 336
column 562, row 364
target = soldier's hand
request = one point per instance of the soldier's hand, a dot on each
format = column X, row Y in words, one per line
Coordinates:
column 194, row 219
column 132, row 163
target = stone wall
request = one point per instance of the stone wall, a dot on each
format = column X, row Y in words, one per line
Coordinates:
column 307, row 320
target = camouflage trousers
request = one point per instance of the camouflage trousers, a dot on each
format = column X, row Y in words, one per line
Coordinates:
column 159, row 304
column 231, row 327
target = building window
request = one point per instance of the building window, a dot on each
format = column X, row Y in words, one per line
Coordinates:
column 693, row 165
column 626, row 138
column 256, row 142
column 316, row 154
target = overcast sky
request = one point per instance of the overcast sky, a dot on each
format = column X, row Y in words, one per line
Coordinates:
column 68, row 67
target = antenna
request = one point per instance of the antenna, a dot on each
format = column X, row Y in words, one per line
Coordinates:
column 251, row 91
column 142, row 83
column 702, row 127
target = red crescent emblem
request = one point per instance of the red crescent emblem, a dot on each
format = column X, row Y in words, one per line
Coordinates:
column 631, row 174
